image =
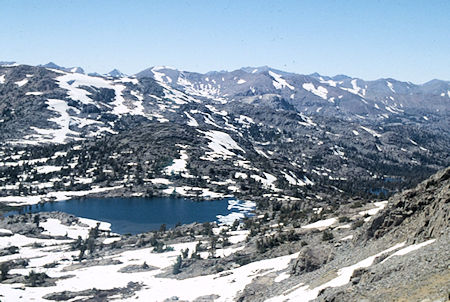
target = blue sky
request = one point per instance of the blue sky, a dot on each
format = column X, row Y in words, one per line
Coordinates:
column 406, row 40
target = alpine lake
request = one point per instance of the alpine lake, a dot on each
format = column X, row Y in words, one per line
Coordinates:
column 136, row 215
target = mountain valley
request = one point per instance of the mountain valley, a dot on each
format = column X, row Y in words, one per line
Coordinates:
column 347, row 181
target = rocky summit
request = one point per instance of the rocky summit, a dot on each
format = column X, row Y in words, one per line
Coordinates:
column 341, row 185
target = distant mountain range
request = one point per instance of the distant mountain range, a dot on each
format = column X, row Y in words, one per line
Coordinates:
column 279, row 129
column 343, row 94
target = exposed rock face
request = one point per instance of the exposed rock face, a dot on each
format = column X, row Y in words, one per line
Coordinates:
column 310, row 259
column 420, row 213
column 422, row 275
column 95, row 294
column 415, row 215
column 415, row 221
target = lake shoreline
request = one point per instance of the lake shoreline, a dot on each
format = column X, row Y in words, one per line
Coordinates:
column 136, row 214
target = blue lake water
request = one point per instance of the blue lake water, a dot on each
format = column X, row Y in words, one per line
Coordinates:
column 137, row 215
column 378, row 191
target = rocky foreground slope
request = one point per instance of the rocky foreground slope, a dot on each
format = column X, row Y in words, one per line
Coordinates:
column 409, row 257
column 393, row 250
column 418, row 216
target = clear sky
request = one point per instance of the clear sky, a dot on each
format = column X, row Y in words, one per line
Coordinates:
column 406, row 40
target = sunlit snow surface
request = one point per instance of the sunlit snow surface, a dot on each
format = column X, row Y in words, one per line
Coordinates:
column 373, row 132
column 268, row 181
column 61, row 134
column 73, row 81
column 355, row 89
column 221, row 145
column 108, row 276
column 391, row 86
column 319, row 91
column 58, row 196
column 22, row 82
column 321, row 224
column 243, row 208
column 278, row 82
column 293, row 180
column 378, row 207
column 36, row 93
column 192, row 121
column 179, row 164
column 54, row 227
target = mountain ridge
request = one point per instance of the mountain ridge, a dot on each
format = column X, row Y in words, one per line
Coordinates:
column 280, row 131
column 248, row 69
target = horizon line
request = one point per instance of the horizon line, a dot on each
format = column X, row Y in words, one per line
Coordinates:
column 212, row 71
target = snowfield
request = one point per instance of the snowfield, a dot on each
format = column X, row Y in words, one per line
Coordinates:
column 225, row 285
column 321, row 224
column 179, row 164
column 192, row 122
column 373, row 132
column 319, row 91
column 54, row 227
column 278, row 82
column 22, row 82
column 221, row 145
column 57, row 196
column 73, row 81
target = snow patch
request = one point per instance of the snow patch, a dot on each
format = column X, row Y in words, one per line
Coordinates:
column 221, row 143
column 57, row 196
column 319, row 91
column 378, row 207
column 281, row 277
column 192, row 121
column 179, row 164
column 63, row 121
column 391, row 87
column 321, row 224
column 21, row 83
column 54, row 227
column 73, row 81
column 268, row 180
column 245, row 120
column 355, row 89
column 409, row 249
column 242, row 208
column 34, row 93
column 373, row 132
column 293, row 180
column 47, row 169
column 279, row 82
column 305, row 293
